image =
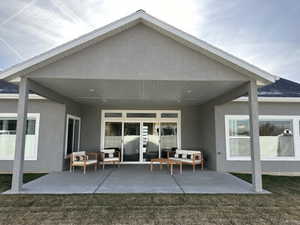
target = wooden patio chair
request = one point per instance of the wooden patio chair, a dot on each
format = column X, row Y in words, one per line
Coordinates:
column 110, row 156
column 82, row 159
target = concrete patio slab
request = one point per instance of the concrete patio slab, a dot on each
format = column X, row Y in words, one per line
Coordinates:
column 66, row 183
column 211, row 182
column 138, row 179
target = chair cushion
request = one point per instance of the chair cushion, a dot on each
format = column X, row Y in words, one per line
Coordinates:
column 191, row 161
column 81, row 163
column 111, row 159
column 111, row 150
column 79, row 153
column 186, row 160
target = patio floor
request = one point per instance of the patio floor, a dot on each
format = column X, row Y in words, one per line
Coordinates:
column 138, row 179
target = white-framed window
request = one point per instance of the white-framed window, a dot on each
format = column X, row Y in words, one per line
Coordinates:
column 279, row 137
column 8, row 128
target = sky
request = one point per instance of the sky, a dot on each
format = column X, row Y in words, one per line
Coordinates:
column 265, row 33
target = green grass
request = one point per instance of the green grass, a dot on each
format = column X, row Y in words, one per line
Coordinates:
column 5, row 180
column 281, row 207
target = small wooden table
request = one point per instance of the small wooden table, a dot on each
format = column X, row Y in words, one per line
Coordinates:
column 169, row 162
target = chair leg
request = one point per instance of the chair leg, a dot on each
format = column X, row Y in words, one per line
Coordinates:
column 103, row 166
column 96, row 167
column 202, row 164
column 193, row 168
column 71, row 169
column 84, row 169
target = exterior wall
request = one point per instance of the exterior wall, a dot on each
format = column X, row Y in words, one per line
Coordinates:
column 91, row 127
column 207, row 126
column 139, row 53
column 51, row 138
column 241, row 108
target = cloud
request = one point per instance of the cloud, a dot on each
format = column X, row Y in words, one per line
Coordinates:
column 268, row 38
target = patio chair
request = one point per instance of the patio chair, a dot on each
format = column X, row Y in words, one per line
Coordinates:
column 110, row 156
column 189, row 157
column 81, row 159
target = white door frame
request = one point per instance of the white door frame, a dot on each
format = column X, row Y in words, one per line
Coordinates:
column 123, row 119
column 69, row 116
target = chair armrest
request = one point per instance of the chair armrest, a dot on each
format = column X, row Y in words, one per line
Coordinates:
column 93, row 154
column 102, row 155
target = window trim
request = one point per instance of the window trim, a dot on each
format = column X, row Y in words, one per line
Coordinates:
column 35, row 116
column 70, row 116
column 296, row 137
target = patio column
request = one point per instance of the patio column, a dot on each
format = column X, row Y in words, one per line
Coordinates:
column 254, row 133
column 17, row 179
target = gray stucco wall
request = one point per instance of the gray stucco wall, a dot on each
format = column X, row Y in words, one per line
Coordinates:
column 207, row 127
column 139, row 53
column 51, row 138
column 241, row 108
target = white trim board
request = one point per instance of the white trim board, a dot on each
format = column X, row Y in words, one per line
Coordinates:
column 69, row 116
column 140, row 16
column 16, row 96
column 271, row 99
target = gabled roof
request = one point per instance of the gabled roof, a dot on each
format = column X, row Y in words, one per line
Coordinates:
column 281, row 88
column 138, row 17
column 8, row 88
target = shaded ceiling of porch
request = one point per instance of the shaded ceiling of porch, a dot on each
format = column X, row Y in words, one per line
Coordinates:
column 138, row 93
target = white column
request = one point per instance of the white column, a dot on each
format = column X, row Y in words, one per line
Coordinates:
column 254, row 133
column 17, row 179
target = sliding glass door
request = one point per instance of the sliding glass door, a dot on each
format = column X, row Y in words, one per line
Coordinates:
column 113, row 135
column 150, row 141
column 140, row 135
column 72, row 134
column 131, row 142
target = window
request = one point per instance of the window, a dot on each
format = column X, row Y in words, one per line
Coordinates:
column 8, row 129
column 113, row 115
column 169, row 115
column 141, row 115
column 276, row 137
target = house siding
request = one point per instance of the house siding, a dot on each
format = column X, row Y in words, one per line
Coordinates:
column 51, row 138
column 139, row 53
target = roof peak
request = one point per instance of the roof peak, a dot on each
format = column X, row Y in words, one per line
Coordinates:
column 141, row 11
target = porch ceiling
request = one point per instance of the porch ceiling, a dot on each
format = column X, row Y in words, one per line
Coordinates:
column 131, row 93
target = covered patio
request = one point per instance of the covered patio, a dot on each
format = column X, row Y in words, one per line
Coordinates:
column 138, row 63
column 138, row 179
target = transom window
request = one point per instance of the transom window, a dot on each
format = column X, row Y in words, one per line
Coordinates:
column 276, row 137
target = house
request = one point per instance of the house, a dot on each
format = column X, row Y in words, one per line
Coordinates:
column 138, row 79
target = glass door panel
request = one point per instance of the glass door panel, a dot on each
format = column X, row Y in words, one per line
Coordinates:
column 76, row 136
column 131, row 146
column 113, row 135
column 150, row 141
column 70, row 136
column 73, row 134
column 168, row 137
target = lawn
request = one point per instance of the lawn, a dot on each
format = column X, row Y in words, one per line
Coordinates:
column 281, row 207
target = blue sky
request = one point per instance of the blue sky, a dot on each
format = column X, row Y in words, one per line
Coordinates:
column 265, row 33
